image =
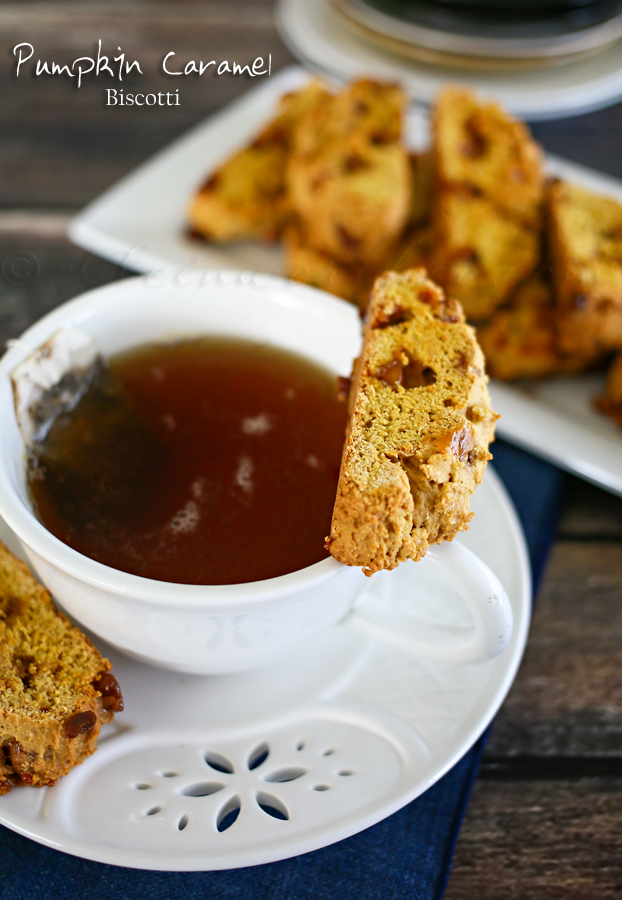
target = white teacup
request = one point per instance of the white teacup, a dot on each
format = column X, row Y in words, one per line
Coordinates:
column 220, row 628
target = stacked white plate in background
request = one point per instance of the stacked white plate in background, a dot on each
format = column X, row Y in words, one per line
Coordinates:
column 540, row 66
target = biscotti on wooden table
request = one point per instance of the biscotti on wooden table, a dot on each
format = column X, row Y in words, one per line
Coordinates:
column 56, row 691
column 419, row 428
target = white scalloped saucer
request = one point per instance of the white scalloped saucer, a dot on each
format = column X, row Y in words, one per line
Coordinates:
column 204, row 773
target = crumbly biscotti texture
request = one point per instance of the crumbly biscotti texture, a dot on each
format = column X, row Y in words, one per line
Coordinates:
column 585, row 244
column 480, row 255
column 245, row 198
column 55, row 688
column 479, row 144
column 520, row 340
column 349, row 177
column 419, row 428
column 611, row 401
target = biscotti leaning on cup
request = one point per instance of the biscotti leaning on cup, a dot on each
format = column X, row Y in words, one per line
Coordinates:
column 56, row 691
column 420, row 423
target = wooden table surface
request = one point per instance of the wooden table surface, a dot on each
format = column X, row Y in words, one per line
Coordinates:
column 545, row 816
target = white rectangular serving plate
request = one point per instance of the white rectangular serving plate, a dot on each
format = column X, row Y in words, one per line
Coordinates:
column 140, row 223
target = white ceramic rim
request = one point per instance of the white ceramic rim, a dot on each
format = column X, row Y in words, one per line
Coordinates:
column 596, row 79
column 521, row 604
column 564, row 41
column 145, row 590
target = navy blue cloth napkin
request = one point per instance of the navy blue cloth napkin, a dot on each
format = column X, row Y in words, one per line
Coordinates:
column 406, row 856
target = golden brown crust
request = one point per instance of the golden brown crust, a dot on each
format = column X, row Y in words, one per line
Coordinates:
column 488, row 205
column 349, row 177
column 419, row 429
column 55, row 690
column 480, row 254
column 479, row 145
column 585, row 244
column 245, row 197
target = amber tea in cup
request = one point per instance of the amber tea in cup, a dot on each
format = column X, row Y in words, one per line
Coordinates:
column 206, row 461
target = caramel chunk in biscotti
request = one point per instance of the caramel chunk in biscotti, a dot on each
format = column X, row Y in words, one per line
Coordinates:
column 419, row 428
column 56, row 691
column 585, row 242
column 245, row 197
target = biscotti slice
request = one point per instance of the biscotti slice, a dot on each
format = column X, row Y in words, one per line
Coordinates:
column 352, row 282
column 611, row 401
column 520, row 340
column 349, row 177
column 419, row 428
column 245, row 197
column 476, row 143
column 480, row 254
column 306, row 264
column 56, row 691
column 585, row 244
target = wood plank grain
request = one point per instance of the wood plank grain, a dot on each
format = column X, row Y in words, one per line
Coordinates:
column 61, row 145
column 590, row 512
column 567, row 697
column 550, row 840
column 39, row 270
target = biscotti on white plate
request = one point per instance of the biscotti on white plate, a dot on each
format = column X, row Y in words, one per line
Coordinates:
column 56, row 690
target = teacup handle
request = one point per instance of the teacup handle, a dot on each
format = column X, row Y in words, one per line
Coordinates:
column 482, row 592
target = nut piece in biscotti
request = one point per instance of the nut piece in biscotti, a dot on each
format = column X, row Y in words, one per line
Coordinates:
column 419, row 428
column 245, row 197
column 520, row 340
column 476, row 143
column 585, row 243
column 480, row 254
column 349, row 177
column 306, row 264
column 611, row 402
column 56, row 691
